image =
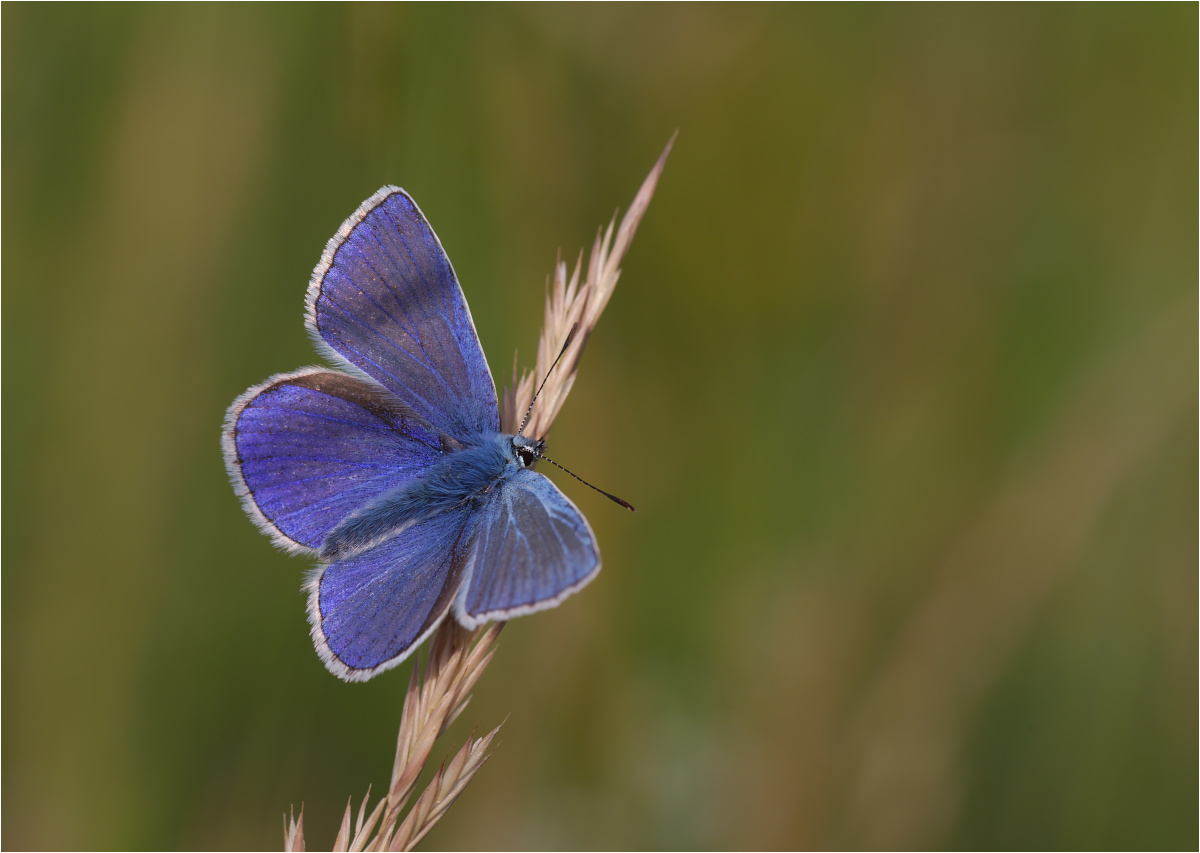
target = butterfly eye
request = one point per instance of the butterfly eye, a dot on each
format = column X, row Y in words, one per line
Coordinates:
column 527, row 450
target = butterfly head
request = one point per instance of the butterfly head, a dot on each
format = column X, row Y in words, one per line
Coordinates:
column 527, row 450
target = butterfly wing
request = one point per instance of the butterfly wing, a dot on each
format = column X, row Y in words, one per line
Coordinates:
column 306, row 449
column 531, row 549
column 370, row 611
column 385, row 300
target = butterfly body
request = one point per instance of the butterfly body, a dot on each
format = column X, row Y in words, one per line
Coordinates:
column 462, row 477
column 392, row 469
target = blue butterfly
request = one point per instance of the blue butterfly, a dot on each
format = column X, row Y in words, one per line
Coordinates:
column 392, row 470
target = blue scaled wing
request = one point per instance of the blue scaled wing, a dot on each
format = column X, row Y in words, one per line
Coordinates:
column 531, row 549
column 385, row 300
column 306, row 449
column 369, row 612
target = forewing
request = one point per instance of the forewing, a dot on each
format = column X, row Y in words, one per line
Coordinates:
column 306, row 449
column 385, row 299
column 370, row 611
column 531, row 549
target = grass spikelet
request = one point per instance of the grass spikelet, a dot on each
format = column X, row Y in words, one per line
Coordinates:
column 293, row 832
column 456, row 659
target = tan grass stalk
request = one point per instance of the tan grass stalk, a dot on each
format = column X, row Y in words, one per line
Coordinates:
column 568, row 302
column 457, row 656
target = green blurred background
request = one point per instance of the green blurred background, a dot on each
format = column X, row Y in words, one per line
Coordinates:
column 901, row 375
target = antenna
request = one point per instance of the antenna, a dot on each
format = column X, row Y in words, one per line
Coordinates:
column 570, row 337
column 537, row 452
column 613, row 498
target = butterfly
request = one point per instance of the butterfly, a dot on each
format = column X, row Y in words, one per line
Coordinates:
column 392, row 470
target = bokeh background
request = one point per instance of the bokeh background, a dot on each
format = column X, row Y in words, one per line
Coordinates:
column 901, row 376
